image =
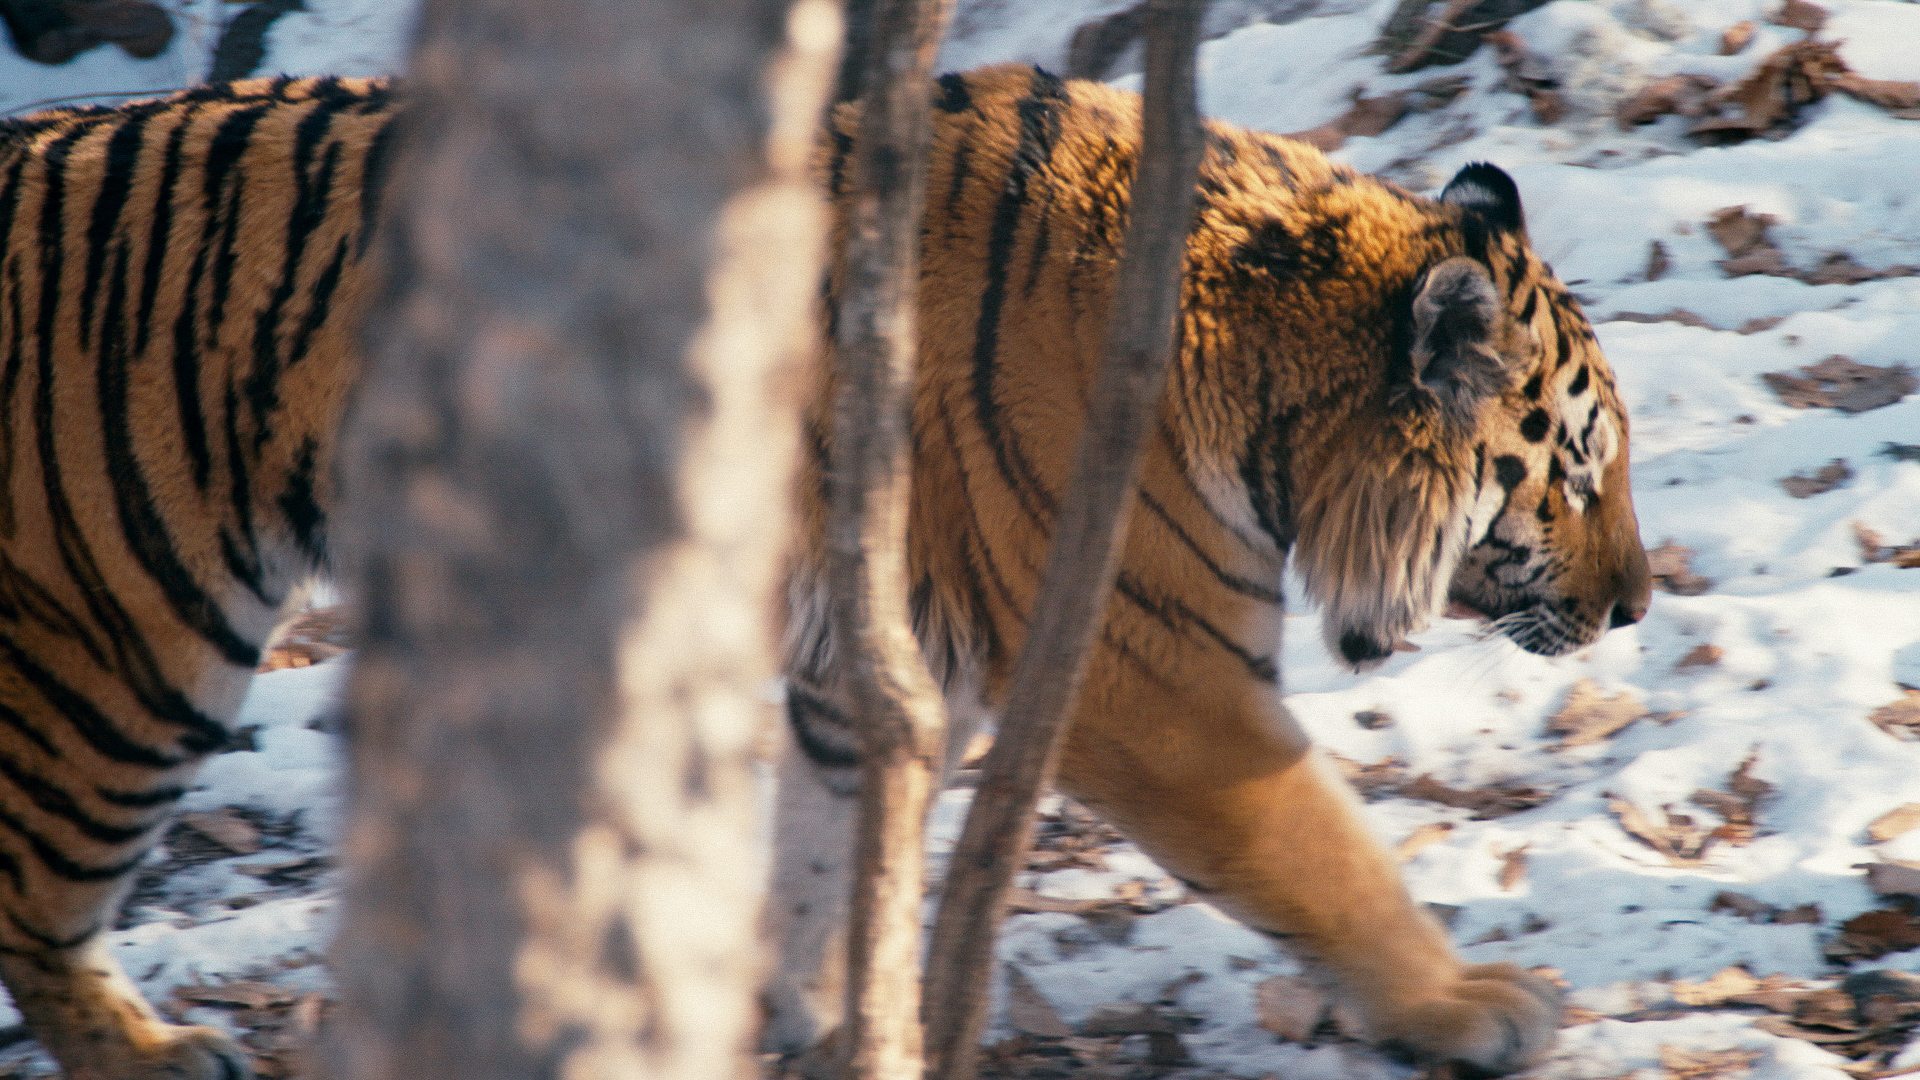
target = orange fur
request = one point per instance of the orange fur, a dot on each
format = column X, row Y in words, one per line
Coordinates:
column 180, row 289
column 1355, row 374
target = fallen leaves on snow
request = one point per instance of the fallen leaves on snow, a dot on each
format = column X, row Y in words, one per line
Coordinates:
column 1670, row 565
column 1875, row 549
column 1489, row 801
column 1684, row 841
column 1900, row 718
column 1895, row 822
column 1825, row 479
column 1589, row 717
column 1840, row 383
column 1700, row 656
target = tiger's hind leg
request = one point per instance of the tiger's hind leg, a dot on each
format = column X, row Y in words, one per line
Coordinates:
column 94, row 1021
column 77, row 814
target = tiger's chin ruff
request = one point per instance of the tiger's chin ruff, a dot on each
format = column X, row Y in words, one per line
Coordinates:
column 1377, row 553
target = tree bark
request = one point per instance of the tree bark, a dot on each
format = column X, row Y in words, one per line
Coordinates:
column 895, row 704
column 566, row 480
column 1081, row 563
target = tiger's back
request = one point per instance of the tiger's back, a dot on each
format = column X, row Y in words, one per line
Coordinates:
column 181, row 284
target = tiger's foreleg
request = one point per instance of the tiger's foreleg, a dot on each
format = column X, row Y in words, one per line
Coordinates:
column 94, row 1021
column 1228, row 795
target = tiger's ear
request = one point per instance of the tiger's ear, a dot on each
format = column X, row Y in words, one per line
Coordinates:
column 1456, row 323
column 1489, row 193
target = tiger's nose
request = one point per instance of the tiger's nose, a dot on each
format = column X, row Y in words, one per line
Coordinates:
column 1628, row 612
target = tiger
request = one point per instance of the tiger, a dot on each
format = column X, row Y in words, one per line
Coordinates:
column 1392, row 391
column 181, row 288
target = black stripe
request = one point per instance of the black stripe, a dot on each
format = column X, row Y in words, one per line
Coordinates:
column 90, row 723
column 160, row 796
column 10, row 382
column 243, row 562
column 300, row 506
column 373, row 180
column 57, row 861
column 953, row 94
column 957, row 179
column 12, row 718
column 1232, row 581
column 59, row 802
column 223, row 202
column 171, row 163
column 987, row 563
column 319, row 304
column 1533, row 302
column 311, row 192
column 1177, row 616
column 1266, row 469
column 820, row 751
column 52, row 942
column 23, row 598
column 140, row 521
column 116, row 185
column 1039, row 115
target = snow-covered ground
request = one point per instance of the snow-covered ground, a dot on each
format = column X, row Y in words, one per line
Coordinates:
column 1751, row 766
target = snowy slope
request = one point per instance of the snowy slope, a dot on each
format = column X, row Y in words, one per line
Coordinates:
column 1805, row 654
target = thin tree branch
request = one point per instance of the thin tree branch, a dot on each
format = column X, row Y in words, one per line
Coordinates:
column 900, row 715
column 1086, row 543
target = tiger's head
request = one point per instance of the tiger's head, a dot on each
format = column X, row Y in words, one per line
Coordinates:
column 1509, row 480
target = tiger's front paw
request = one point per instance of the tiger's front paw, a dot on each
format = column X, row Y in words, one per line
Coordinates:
column 1496, row 1019
column 161, row 1052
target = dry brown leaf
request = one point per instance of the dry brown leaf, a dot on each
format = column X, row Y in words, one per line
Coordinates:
column 1375, row 781
column 1685, row 95
column 1677, row 315
column 1700, row 656
column 225, row 828
column 1875, row 549
column 1873, row 934
column 1421, row 837
column 1657, row 261
column 1793, row 77
column 1886, row 93
column 1742, row 905
column 1290, row 1006
column 1894, row 822
column 1808, row 914
column 1588, row 717
column 1366, row 116
column 1838, row 268
column 1825, row 479
column 1028, row 1011
column 1900, row 718
column 242, row 994
column 1840, row 383
column 1736, row 38
column 1513, row 868
column 1716, row 988
column 1800, row 15
column 1706, row 1064
column 1491, row 801
column 1670, row 565
column 1743, row 235
column 1677, row 837
column 1894, row 877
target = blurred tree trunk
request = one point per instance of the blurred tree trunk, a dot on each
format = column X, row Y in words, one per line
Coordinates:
column 1085, row 551
column 892, row 698
column 567, row 480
